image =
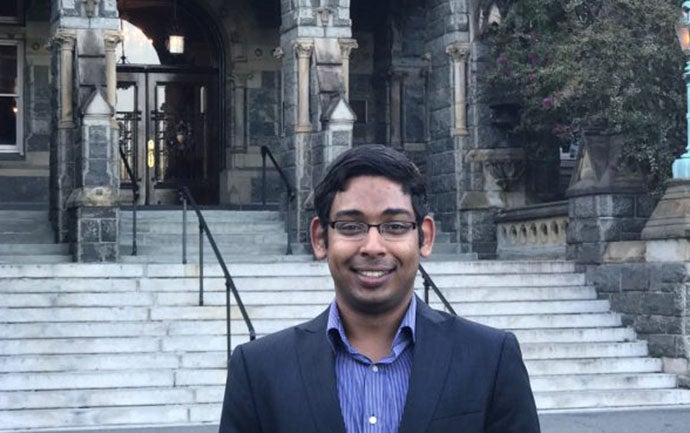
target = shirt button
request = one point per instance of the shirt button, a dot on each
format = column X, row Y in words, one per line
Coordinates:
column 372, row 419
column 375, row 369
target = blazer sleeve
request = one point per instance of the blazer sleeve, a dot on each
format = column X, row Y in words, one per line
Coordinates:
column 512, row 408
column 239, row 413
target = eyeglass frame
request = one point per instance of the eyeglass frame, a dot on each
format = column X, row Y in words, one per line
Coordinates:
column 388, row 236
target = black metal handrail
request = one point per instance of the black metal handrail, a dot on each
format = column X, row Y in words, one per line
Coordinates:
column 186, row 197
column 135, row 198
column 429, row 284
column 265, row 151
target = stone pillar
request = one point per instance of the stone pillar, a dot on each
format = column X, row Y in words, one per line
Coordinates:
column 395, row 104
column 303, row 48
column 112, row 39
column 65, row 40
column 62, row 159
column 239, row 136
column 94, row 206
column 458, row 53
column 346, row 47
column 607, row 200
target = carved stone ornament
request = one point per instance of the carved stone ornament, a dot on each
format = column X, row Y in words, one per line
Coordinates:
column 324, row 15
column 90, row 7
column 112, row 38
column 64, row 39
column 506, row 173
column 277, row 53
column 458, row 51
column 304, row 48
column 346, row 47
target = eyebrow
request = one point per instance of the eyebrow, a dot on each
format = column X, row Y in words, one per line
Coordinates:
column 354, row 213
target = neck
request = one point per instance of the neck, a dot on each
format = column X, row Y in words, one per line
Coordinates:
column 372, row 334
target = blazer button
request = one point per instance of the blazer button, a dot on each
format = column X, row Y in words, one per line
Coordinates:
column 372, row 419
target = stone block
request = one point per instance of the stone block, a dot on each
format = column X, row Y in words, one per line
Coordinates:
column 668, row 250
column 622, row 251
column 605, row 278
column 582, row 207
column 109, row 230
column 89, row 231
column 664, row 345
column 654, row 324
column 634, row 278
column 668, row 273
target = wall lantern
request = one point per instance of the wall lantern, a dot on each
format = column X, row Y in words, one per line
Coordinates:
column 175, row 38
column 681, row 166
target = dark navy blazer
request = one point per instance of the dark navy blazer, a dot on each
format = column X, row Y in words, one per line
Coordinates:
column 465, row 378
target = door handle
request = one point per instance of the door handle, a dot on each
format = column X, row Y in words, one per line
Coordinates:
column 151, row 153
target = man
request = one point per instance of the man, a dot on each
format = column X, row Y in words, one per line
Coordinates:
column 378, row 359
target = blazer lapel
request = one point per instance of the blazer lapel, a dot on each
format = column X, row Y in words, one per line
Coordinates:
column 317, row 366
column 430, row 366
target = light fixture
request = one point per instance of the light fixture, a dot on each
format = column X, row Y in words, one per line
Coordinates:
column 175, row 38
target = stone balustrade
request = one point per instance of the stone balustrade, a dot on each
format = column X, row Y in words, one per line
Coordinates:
column 536, row 231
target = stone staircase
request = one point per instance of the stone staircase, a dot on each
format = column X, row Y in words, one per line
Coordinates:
column 240, row 236
column 26, row 237
column 127, row 345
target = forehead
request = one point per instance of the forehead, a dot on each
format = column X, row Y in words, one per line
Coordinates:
column 371, row 194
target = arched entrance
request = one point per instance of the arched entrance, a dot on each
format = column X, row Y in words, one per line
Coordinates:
column 169, row 105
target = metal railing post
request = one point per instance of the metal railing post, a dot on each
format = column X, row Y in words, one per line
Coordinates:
column 184, row 229
column 201, row 264
column 227, row 318
column 263, row 176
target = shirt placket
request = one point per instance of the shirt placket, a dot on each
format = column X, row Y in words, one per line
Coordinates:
column 374, row 399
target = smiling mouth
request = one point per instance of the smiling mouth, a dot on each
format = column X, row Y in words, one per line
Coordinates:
column 373, row 274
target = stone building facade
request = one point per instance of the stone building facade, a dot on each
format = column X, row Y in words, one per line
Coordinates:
column 306, row 78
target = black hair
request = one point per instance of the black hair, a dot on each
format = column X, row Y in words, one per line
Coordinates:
column 371, row 160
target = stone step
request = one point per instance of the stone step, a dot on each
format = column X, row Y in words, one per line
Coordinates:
column 34, row 249
column 602, row 382
column 35, row 259
column 157, row 241
column 23, row 214
column 105, row 416
column 461, row 270
column 216, row 227
column 29, row 364
column 574, row 335
column 87, row 380
column 548, row 367
column 583, row 350
column 610, row 399
column 145, row 216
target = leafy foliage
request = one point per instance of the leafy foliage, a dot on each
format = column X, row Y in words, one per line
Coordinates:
column 615, row 65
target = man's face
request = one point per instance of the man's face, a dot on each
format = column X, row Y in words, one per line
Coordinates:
column 372, row 275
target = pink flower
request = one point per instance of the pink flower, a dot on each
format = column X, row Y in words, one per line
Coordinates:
column 502, row 59
column 547, row 102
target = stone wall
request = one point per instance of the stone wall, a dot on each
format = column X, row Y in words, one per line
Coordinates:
column 654, row 299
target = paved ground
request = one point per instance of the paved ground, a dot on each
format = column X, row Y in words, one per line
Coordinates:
column 649, row 420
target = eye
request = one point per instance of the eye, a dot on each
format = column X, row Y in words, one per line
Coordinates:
column 397, row 227
column 349, row 228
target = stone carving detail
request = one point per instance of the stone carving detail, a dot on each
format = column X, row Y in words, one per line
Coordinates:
column 65, row 41
column 324, row 16
column 111, row 38
column 278, row 53
column 90, row 7
column 346, row 47
column 458, row 53
column 506, row 173
column 541, row 232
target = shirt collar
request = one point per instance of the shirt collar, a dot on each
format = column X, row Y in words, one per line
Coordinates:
column 335, row 328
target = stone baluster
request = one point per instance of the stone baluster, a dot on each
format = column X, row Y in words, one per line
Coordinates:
column 346, row 47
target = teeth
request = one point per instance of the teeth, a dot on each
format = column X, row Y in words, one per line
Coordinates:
column 373, row 274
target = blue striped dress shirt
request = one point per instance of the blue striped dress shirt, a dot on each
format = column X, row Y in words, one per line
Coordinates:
column 372, row 395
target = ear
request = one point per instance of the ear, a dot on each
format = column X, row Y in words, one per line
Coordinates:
column 428, row 227
column 318, row 238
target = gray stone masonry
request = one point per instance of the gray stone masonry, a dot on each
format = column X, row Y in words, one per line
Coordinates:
column 607, row 200
column 654, row 299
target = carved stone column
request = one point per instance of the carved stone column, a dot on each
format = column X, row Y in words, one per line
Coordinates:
column 66, row 40
column 458, row 53
column 239, row 91
column 346, row 47
column 395, row 104
column 111, row 38
column 303, row 48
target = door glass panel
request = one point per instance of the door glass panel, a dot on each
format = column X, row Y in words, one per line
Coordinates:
column 8, row 69
column 8, row 120
column 9, row 10
column 128, row 119
column 179, row 130
column 136, row 47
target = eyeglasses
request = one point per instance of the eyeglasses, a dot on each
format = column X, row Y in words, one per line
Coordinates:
column 358, row 230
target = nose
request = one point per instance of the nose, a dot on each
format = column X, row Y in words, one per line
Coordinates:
column 373, row 243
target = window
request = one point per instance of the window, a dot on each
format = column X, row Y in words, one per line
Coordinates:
column 11, row 11
column 10, row 96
